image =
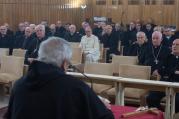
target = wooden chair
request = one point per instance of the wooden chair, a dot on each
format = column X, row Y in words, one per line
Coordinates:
column 133, row 95
column 3, row 52
column 103, row 53
column 74, row 44
column 101, row 69
column 11, row 69
column 19, row 52
column 118, row 60
column 76, row 56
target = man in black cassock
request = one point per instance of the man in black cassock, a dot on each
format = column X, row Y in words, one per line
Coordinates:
column 21, row 30
column 110, row 41
column 139, row 48
column 25, row 40
column 129, row 37
column 6, row 40
column 169, row 72
column 156, row 53
column 47, row 92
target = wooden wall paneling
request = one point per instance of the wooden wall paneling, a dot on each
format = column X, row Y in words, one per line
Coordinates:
column 177, row 14
column 156, row 14
column 15, row 11
column 168, row 12
column 146, row 14
column 133, row 13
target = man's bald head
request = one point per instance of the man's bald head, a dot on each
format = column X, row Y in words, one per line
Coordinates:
column 156, row 38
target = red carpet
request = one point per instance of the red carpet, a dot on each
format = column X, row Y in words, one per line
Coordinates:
column 117, row 111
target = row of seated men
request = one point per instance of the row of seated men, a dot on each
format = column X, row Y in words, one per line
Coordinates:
column 153, row 53
column 108, row 35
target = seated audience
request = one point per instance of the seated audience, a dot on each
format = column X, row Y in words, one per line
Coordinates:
column 168, row 37
column 47, row 29
column 6, row 41
column 32, row 51
column 110, row 41
column 148, row 31
column 53, row 31
column 156, row 53
column 171, row 69
column 21, row 30
column 130, row 37
column 60, row 29
column 97, row 30
column 46, row 92
column 82, row 30
column 139, row 47
column 90, row 46
column 9, row 31
column 25, row 40
column 72, row 35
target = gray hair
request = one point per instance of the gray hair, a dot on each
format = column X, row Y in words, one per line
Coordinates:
column 40, row 26
column 142, row 33
column 54, row 51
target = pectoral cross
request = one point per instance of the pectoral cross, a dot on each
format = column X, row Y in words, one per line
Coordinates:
column 156, row 61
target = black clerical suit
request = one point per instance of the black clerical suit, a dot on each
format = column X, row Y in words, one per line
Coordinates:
column 155, row 56
column 110, row 41
column 46, row 92
column 61, row 31
column 23, row 42
column 139, row 51
column 19, row 33
column 129, row 39
column 32, row 51
column 168, row 41
column 75, row 37
column 171, row 65
column 97, row 31
column 6, row 41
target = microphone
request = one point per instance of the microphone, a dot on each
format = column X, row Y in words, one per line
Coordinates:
column 79, row 71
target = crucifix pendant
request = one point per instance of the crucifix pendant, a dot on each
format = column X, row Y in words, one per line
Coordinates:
column 156, row 61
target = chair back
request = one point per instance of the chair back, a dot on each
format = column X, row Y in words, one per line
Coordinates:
column 99, row 68
column 19, row 52
column 121, row 60
column 76, row 56
column 3, row 52
column 138, row 72
column 12, row 65
column 135, row 71
column 75, row 44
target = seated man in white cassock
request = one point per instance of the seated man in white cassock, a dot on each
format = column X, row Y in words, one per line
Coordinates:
column 90, row 46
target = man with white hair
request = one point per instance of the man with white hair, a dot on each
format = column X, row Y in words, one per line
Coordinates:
column 32, row 51
column 47, row 92
column 90, row 46
column 72, row 35
column 156, row 54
